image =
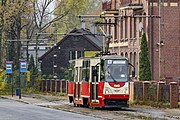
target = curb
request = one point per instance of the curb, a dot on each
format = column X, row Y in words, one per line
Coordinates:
column 18, row 100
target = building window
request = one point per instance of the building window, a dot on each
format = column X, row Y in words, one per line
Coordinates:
column 174, row 4
column 76, row 39
column 144, row 23
column 126, row 27
column 121, row 29
column 134, row 27
column 126, row 55
column 75, row 54
column 105, row 27
column 130, row 28
column 122, row 54
column 115, row 28
column 135, row 61
column 131, row 61
column 140, row 21
column 72, row 55
column 109, row 27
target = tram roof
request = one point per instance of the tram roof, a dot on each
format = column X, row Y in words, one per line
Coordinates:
column 113, row 57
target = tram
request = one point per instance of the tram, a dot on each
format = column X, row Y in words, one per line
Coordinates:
column 99, row 81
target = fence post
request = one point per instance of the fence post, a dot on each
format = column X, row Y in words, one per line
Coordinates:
column 47, row 85
column 61, row 86
column 56, row 84
column 131, row 92
column 51, row 86
column 174, row 94
column 67, row 86
column 42, row 85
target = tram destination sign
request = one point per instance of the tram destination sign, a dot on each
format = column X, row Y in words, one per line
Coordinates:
column 116, row 62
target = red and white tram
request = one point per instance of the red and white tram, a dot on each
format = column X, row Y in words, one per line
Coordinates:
column 99, row 82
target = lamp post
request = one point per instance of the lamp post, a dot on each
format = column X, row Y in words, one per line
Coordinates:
column 160, row 43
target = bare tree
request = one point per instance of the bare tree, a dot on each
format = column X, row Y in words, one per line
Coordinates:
column 41, row 13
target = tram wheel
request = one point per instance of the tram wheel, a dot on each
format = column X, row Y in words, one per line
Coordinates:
column 75, row 105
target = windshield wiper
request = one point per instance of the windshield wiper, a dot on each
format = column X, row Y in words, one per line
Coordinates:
column 111, row 76
column 110, row 73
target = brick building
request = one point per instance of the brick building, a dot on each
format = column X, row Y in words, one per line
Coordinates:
column 138, row 16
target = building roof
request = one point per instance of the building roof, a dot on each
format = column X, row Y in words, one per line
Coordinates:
column 92, row 38
column 89, row 36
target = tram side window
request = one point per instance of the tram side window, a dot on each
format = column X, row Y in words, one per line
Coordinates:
column 95, row 68
column 71, row 75
column 85, row 71
column 102, row 70
column 71, row 71
column 76, row 74
column 80, row 73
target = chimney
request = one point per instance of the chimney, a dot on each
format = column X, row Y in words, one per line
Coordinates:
column 83, row 24
column 93, row 27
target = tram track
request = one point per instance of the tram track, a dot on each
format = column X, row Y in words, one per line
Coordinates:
column 135, row 113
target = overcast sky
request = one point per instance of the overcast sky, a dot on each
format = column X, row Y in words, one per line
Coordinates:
column 52, row 5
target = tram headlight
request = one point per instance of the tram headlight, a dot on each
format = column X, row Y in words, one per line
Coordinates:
column 108, row 91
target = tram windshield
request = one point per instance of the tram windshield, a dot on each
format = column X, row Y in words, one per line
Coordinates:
column 116, row 70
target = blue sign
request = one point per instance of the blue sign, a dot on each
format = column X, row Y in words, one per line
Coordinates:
column 23, row 66
column 8, row 68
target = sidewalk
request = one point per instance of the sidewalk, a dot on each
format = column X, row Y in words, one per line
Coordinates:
column 23, row 99
column 40, row 100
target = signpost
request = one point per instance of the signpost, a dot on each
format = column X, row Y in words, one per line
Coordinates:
column 9, row 71
column 22, row 69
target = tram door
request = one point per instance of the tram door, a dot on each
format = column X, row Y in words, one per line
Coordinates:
column 94, row 86
column 77, row 84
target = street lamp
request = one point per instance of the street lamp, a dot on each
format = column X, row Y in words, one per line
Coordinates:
column 160, row 44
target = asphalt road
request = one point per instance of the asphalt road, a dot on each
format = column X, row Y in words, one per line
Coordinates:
column 12, row 110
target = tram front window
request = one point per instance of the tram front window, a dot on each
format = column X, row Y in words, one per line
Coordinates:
column 116, row 71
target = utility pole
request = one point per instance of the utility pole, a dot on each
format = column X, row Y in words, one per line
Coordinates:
column 161, row 24
column 19, row 74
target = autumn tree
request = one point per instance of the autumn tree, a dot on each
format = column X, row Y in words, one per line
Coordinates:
column 144, row 63
column 78, row 7
column 33, row 70
column 12, row 15
column 23, row 19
